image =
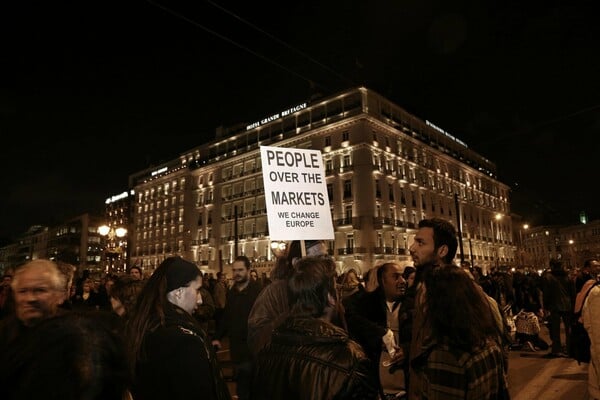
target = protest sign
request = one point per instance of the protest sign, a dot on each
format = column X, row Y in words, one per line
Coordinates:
column 296, row 194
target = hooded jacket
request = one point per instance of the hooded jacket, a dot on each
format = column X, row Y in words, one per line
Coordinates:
column 311, row 359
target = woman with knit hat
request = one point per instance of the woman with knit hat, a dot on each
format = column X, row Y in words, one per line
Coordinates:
column 169, row 353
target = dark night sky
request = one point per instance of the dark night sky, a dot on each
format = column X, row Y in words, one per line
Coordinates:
column 93, row 91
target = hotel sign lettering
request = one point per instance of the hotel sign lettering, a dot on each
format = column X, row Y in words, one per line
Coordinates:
column 276, row 116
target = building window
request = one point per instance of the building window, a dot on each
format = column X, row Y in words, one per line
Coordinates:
column 347, row 188
column 347, row 160
column 328, row 166
column 345, row 136
column 350, row 241
column 348, row 213
column 327, row 141
column 330, row 191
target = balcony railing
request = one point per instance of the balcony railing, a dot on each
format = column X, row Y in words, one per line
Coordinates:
column 351, row 250
column 343, row 221
column 384, row 250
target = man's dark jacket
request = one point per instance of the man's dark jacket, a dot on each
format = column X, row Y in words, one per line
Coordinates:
column 234, row 323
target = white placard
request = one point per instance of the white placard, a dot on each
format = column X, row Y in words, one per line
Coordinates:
column 296, row 194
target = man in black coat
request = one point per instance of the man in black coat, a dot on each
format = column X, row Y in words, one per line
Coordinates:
column 234, row 323
column 38, row 289
column 558, row 290
column 381, row 320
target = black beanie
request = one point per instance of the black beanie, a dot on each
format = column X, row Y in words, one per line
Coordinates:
column 179, row 272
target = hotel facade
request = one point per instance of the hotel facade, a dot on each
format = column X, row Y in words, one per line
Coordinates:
column 385, row 170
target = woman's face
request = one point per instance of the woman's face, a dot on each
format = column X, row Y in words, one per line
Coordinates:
column 188, row 297
column 410, row 280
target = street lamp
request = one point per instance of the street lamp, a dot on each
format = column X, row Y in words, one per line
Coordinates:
column 572, row 261
column 524, row 227
column 497, row 217
column 278, row 248
column 116, row 247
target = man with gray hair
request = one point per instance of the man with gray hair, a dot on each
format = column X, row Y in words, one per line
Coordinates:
column 38, row 289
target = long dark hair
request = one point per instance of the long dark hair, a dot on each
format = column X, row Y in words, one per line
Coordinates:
column 457, row 309
column 149, row 312
column 127, row 289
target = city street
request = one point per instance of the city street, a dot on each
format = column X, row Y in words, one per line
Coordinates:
column 531, row 376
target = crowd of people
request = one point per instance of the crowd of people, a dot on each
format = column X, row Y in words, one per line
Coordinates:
column 433, row 330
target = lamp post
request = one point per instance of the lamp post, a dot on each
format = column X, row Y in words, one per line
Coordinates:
column 521, row 245
column 115, row 248
column 497, row 217
column 572, row 261
column 470, row 229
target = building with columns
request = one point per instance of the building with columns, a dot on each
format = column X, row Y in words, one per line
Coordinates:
column 385, row 170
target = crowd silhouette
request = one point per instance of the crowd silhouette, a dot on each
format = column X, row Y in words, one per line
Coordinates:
column 310, row 330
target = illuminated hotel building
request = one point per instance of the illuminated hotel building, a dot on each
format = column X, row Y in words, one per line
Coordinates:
column 385, row 170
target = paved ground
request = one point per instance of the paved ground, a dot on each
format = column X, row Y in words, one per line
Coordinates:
column 531, row 376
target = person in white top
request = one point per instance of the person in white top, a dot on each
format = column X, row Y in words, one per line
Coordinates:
column 591, row 322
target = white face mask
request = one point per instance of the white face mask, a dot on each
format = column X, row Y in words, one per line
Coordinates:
column 187, row 297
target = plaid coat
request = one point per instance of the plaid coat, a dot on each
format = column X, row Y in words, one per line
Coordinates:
column 450, row 373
